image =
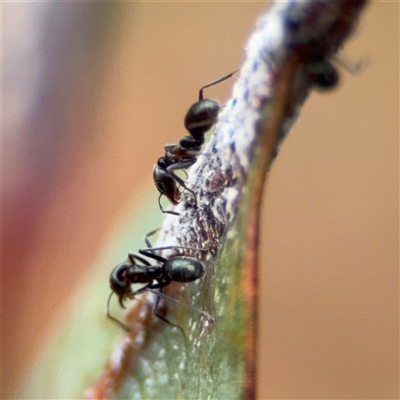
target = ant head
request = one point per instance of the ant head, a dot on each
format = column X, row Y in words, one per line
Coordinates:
column 323, row 74
column 201, row 116
column 166, row 185
column 119, row 283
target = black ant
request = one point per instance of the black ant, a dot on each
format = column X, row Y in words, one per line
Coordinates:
column 177, row 268
column 324, row 75
column 316, row 53
column 200, row 117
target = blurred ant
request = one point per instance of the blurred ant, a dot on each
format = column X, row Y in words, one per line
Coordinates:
column 200, row 117
column 324, row 75
column 176, row 268
column 315, row 53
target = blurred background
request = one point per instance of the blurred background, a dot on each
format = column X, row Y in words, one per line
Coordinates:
column 92, row 92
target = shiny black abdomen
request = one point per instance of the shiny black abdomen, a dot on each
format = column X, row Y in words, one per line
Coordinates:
column 201, row 117
column 183, row 269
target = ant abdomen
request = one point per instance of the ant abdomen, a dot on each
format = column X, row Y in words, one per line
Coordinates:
column 201, row 117
column 184, row 269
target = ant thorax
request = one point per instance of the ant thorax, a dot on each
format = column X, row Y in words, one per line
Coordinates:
column 176, row 152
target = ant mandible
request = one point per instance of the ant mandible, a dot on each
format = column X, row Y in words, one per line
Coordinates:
column 177, row 268
column 200, row 117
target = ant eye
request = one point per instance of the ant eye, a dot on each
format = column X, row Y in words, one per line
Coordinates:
column 161, row 187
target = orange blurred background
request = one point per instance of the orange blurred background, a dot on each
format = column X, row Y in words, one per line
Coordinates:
column 92, row 92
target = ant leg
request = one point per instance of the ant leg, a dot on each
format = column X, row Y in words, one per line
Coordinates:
column 205, row 154
column 175, row 301
column 214, row 83
column 149, row 253
column 121, row 324
column 146, row 238
column 132, row 295
column 160, row 295
column 140, row 291
column 182, row 165
column 180, row 181
column 165, row 211
column 222, row 106
column 150, row 246
column 185, row 172
column 132, row 257
column 145, row 251
column 116, row 320
column 155, row 311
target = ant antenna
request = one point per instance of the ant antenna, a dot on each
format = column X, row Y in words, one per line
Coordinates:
column 172, row 248
column 116, row 320
column 351, row 67
column 215, row 82
column 205, row 314
column 125, row 327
